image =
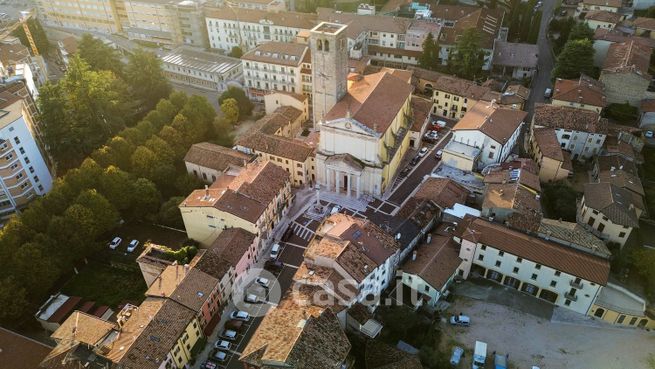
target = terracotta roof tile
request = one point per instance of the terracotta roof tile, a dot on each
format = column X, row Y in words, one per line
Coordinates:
column 225, row 252
column 604, row 16
column 645, row 23
column 551, row 254
column 20, row 352
column 515, row 175
column 614, row 202
column 584, row 90
column 420, row 112
column 279, row 53
column 618, row 36
column 277, row 145
column 216, row 157
column 435, row 262
column 563, row 117
column 373, row 100
column 443, row 191
column 82, row 327
column 546, row 139
column 572, row 233
column 486, row 21
column 515, row 54
column 608, row 3
column 380, row 355
column 280, row 118
column 190, row 287
column 628, row 57
column 495, row 122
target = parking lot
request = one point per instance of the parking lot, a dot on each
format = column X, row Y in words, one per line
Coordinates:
column 531, row 340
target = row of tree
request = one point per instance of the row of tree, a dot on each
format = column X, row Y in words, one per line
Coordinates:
column 577, row 55
column 465, row 60
column 524, row 21
column 98, row 96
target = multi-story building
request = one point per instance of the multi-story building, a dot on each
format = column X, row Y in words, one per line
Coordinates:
column 553, row 162
column 208, row 161
column 456, row 19
column 274, row 66
column 24, row 173
column 153, row 21
column 620, row 172
column 491, row 129
column 625, row 73
column 583, row 93
column 580, row 132
column 266, row 5
column 89, row 15
column 515, row 59
column 255, row 200
column 586, row 6
column 191, row 26
column 563, row 275
column 608, row 211
column 247, row 28
column 597, row 19
column 197, row 68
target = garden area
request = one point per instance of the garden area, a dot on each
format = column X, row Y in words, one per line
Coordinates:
column 106, row 285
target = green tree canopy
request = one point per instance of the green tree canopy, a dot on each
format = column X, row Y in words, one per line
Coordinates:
column 98, row 55
column 146, row 78
column 429, row 58
column 230, row 109
column 581, row 31
column 236, row 52
column 467, row 58
column 576, row 57
column 245, row 105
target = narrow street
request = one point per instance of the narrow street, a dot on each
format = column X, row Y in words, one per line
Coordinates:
column 541, row 81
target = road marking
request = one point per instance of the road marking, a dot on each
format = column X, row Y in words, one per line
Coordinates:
column 291, row 266
column 294, row 245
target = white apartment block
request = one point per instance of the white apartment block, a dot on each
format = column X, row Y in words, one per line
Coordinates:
column 274, row 66
column 88, row 15
column 247, row 28
column 24, row 173
column 562, row 275
column 153, row 21
column 579, row 131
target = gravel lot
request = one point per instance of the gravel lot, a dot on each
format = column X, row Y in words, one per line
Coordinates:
column 535, row 341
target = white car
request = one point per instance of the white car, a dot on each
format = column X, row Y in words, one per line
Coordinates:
column 438, row 154
column 229, row 335
column 648, row 134
column 222, row 345
column 219, row 356
column 275, row 251
column 264, row 282
column 423, row 152
column 132, row 246
column 115, row 243
column 461, row 320
column 458, row 352
column 252, row 299
column 335, row 209
column 240, row 315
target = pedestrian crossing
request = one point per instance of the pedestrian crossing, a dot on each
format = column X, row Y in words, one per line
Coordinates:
column 302, row 232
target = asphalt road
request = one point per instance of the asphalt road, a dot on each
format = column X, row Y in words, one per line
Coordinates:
column 416, row 176
column 546, row 61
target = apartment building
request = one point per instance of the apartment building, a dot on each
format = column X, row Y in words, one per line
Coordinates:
column 24, row 172
column 563, row 275
column 609, row 212
column 294, row 156
column 193, row 67
column 491, row 129
column 583, row 93
column 266, row 5
column 159, row 333
column 515, row 59
column 153, row 21
column 255, row 200
column 587, row 6
column 208, row 161
column 620, row 172
column 580, row 132
column 274, row 66
column 597, row 19
column 625, row 73
column 89, row 15
column 247, row 28
column 553, row 162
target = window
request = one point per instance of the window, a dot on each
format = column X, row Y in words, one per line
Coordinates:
column 591, row 221
column 553, row 283
column 480, row 257
column 27, row 160
column 498, row 263
column 621, row 234
column 567, row 303
column 621, row 319
column 483, row 247
column 491, row 155
column 17, row 140
column 533, row 277
column 516, row 270
column 36, row 179
column 21, row 150
column 518, row 260
column 501, row 253
column 538, row 266
column 427, row 288
column 558, row 273
column 601, row 226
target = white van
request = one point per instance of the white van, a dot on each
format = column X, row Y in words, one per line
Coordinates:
column 479, row 355
column 275, row 251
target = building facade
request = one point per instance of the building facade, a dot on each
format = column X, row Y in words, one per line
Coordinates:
column 197, row 68
column 100, row 16
column 553, row 162
column 329, row 55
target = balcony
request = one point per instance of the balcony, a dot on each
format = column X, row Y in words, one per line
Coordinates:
column 575, row 284
column 571, row 296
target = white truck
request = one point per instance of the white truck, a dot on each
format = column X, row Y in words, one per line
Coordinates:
column 479, row 355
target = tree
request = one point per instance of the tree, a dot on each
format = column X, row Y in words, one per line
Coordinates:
column 622, row 113
column 38, row 34
column 35, row 268
column 236, row 52
column 576, row 57
column 533, row 36
column 644, row 263
column 169, row 213
column 146, row 199
column 105, row 216
column 224, row 132
column 526, row 19
column 13, row 299
column 559, row 201
column 116, row 187
column 650, row 12
column 581, row 31
column 429, row 58
column 230, row 109
column 146, row 78
column 98, row 55
column 467, row 58
column 245, row 105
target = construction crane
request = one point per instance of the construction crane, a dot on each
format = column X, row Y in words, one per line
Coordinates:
column 22, row 21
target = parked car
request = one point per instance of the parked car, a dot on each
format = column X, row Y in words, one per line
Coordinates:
column 335, row 209
column 218, row 355
column 461, row 320
column 422, row 152
column 132, row 246
column 415, row 160
column 234, row 325
column 500, row 361
column 264, row 282
column 405, row 172
column 439, row 123
column 548, row 93
column 252, row 299
column 208, row 365
column 115, row 243
column 479, row 355
column 229, row 335
column 222, row 345
column 275, row 251
column 273, row 265
column 438, row 154
column 240, row 315
column 455, row 358
column 648, row 134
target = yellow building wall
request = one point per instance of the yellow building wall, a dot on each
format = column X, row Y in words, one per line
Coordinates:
column 185, row 343
column 597, row 109
column 388, row 139
column 204, row 224
column 612, row 317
